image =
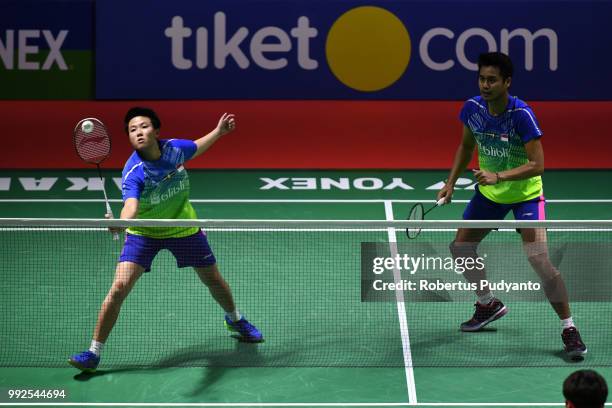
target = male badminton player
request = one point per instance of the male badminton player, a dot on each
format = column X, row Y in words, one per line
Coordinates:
column 156, row 185
column 511, row 161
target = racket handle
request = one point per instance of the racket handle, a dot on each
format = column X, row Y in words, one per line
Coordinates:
column 440, row 201
column 109, row 216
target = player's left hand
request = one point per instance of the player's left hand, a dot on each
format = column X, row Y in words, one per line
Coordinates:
column 227, row 123
column 485, row 178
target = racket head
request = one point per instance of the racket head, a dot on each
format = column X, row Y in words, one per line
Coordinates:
column 91, row 140
column 417, row 213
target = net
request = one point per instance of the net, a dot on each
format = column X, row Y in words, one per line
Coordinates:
column 309, row 286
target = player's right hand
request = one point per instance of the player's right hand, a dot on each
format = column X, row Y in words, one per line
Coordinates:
column 446, row 192
column 113, row 230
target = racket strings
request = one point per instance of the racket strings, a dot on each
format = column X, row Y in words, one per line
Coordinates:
column 416, row 214
column 94, row 146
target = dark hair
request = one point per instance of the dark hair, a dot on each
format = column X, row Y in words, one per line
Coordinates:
column 585, row 389
column 140, row 111
column 499, row 60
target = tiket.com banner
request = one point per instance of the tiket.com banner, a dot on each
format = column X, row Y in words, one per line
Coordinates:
column 342, row 49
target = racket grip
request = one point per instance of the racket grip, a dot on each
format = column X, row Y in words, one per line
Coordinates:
column 440, row 201
column 109, row 216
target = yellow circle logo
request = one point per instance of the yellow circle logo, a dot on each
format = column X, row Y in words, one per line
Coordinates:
column 368, row 48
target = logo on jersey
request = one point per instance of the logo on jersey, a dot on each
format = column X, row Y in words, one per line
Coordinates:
column 495, row 152
column 158, row 197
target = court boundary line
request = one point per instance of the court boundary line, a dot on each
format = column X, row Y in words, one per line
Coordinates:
column 293, row 404
column 401, row 311
column 216, row 229
column 284, row 200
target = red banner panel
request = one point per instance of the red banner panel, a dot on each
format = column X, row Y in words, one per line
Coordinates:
column 298, row 134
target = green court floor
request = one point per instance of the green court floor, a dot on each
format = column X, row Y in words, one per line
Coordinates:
column 324, row 195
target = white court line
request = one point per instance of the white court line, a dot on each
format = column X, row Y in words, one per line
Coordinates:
column 297, row 404
column 401, row 311
column 257, row 200
column 215, row 229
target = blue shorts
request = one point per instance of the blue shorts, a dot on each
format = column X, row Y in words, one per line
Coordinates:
column 193, row 250
column 481, row 208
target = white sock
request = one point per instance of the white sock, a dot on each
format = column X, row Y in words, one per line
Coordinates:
column 567, row 323
column 234, row 316
column 486, row 299
column 96, row 347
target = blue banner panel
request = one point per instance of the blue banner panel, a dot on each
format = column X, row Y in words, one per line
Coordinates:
column 42, row 24
column 46, row 49
column 305, row 49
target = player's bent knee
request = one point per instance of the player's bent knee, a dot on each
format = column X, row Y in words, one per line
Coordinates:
column 533, row 249
column 463, row 249
column 543, row 267
column 209, row 275
column 119, row 291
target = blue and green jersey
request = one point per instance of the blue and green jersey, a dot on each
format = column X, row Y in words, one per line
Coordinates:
column 162, row 188
column 501, row 146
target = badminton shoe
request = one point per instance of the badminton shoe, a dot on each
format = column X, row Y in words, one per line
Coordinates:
column 484, row 315
column 85, row 361
column 573, row 345
column 246, row 330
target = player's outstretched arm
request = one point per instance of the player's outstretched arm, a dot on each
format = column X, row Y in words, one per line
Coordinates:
column 128, row 212
column 227, row 123
column 462, row 159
